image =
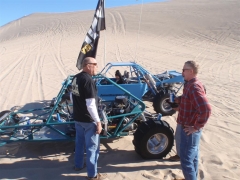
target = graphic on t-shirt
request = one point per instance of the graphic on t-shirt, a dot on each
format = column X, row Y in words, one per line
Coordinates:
column 75, row 87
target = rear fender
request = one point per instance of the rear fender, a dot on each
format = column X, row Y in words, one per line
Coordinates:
column 109, row 92
column 176, row 79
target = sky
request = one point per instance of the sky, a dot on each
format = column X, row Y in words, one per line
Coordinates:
column 11, row 10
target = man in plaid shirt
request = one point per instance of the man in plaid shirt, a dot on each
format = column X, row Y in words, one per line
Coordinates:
column 194, row 111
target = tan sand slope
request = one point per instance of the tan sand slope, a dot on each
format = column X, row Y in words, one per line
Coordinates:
column 38, row 51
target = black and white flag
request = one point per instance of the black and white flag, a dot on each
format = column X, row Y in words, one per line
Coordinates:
column 89, row 46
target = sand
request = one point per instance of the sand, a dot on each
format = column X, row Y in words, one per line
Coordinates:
column 39, row 51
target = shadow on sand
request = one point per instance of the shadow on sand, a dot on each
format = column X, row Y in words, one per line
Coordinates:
column 54, row 160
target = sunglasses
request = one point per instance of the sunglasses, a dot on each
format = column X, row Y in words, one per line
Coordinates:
column 93, row 63
column 183, row 70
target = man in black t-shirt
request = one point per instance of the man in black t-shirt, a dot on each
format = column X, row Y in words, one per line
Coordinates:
column 87, row 122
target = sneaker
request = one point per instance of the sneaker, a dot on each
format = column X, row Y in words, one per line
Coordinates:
column 174, row 158
column 98, row 177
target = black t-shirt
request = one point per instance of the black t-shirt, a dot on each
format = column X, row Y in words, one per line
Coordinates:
column 120, row 81
column 83, row 87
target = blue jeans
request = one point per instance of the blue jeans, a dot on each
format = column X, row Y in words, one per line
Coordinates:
column 189, row 154
column 178, row 138
column 86, row 137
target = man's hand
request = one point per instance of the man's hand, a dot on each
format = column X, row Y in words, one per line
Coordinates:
column 177, row 99
column 189, row 129
column 99, row 128
column 176, row 109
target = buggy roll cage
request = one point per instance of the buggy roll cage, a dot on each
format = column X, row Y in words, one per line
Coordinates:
column 53, row 124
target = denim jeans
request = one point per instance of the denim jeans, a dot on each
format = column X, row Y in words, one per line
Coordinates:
column 189, row 154
column 86, row 138
column 178, row 138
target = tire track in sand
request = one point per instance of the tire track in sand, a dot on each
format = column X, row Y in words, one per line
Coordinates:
column 29, row 88
column 18, row 76
column 118, row 28
column 35, row 80
column 57, row 50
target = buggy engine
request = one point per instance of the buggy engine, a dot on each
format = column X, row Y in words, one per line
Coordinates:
column 116, row 109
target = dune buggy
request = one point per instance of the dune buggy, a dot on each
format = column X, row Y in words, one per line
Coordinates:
column 142, row 84
column 120, row 115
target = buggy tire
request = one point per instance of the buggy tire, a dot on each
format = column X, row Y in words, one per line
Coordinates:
column 160, row 104
column 153, row 139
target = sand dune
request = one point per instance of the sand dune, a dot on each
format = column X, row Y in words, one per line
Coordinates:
column 39, row 51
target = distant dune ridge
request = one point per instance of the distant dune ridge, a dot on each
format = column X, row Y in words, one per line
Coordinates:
column 39, row 51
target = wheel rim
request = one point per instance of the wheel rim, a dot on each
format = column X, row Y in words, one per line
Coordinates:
column 157, row 143
column 165, row 105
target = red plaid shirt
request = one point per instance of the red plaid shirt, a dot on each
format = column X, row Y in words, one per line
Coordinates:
column 194, row 108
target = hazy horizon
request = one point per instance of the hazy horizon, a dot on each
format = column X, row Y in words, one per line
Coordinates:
column 11, row 10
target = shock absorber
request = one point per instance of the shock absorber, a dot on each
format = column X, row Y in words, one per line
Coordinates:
column 151, row 82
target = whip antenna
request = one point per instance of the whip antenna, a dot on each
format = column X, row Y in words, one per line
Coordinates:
column 139, row 24
column 104, row 60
